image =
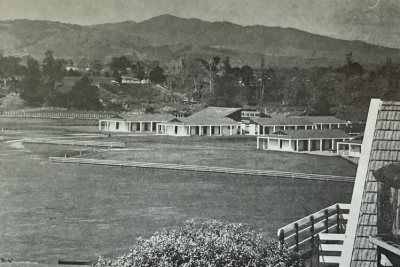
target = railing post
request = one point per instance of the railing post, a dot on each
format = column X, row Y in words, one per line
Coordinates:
column 312, row 239
column 318, row 245
column 326, row 221
column 281, row 238
column 337, row 219
column 296, row 227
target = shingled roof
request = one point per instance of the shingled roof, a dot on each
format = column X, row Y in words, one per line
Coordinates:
column 203, row 121
column 310, row 134
column 214, row 112
column 302, row 121
column 381, row 147
column 144, row 117
column 322, row 119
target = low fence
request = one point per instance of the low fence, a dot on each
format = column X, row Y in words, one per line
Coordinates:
column 302, row 235
column 82, row 115
column 272, row 174
column 75, row 143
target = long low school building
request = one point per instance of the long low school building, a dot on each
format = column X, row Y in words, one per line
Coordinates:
column 134, row 122
column 302, row 141
column 262, row 126
column 187, row 126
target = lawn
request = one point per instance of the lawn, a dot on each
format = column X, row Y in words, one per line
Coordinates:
column 56, row 211
column 66, row 211
column 238, row 152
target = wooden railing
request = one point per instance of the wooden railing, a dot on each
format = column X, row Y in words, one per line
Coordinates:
column 57, row 114
column 272, row 174
column 301, row 235
column 75, row 142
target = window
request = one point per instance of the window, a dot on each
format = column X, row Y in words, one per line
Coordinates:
column 117, row 125
column 176, row 129
column 281, row 143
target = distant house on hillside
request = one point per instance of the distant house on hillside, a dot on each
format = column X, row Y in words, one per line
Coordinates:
column 260, row 126
column 302, row 140
column 211, row 121
column 129, row 79
column 72, row 68
column 134, row 122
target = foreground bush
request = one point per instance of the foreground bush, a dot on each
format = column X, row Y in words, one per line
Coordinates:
column 214, row 243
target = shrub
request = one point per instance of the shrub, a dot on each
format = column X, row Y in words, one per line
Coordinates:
column 212, row 244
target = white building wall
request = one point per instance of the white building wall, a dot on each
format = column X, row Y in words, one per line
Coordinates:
column 252, row 129
column 273, row 144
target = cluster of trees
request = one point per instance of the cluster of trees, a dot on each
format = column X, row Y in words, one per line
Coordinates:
column 120, row 66
column 316, row 90
column 215, row 82
column 40, row 84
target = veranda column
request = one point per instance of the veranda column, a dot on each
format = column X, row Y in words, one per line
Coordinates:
column 258, row 143
column 297, row 145
column 220, row 130
column 190, row 133
column 200, row 130
column 333, row 144
column 141, row 127
column 231, row 129
column 210, row 129
column 100, row 125
column 309, row 145
column 321, row 143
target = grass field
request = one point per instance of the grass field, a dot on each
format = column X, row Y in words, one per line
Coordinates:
column 52, row 211
column 56, row 211
column 237, row 152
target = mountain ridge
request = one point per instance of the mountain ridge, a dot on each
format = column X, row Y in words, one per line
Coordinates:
column 158, row 37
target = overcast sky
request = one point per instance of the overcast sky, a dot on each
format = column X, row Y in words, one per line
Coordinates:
column 373, row 21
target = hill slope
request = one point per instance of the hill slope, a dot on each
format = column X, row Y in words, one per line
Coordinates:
column 167, row 37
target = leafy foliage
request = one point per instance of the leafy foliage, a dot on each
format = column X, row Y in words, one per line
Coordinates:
column 31, row 85
column 213, row 244
column 83, row 96
column 157, row 75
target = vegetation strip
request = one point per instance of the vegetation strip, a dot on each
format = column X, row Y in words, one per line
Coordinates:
column 274, row 174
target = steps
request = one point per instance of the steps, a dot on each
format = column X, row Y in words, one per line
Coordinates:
column 330, row 247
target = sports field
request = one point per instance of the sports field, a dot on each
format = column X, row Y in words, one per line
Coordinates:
column 56, row 211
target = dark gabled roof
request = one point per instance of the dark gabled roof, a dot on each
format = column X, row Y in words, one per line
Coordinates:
column 204, row 121
column 310, row 134
column 322, row 119
column 214, row 112
column 385, row 150
column 281, row 121
column 144, row 117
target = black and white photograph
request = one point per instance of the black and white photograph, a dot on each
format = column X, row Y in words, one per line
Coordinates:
column 199, row 133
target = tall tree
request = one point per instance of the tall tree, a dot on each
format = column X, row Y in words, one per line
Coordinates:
column 31, row 86
column 225, row 92
column 120, row 64
column 157, row 75
column 84, row 96
column 52, row 73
